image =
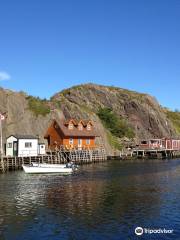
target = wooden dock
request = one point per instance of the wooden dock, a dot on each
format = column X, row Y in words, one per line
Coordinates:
column 84, row 156
column 155, row 153
column 145, row 154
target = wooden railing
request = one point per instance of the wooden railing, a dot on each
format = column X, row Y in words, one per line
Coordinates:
column 61, row 155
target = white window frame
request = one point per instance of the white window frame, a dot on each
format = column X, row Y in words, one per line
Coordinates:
column 71, row 126
column 71, row 141
column 88, row 141
column 80, row 126
column 89, row 127
column 10, row 145
column 79, row 141
column 28, row 144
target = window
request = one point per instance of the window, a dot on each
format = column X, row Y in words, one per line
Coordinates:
column 71, row 141
column 79, row 141
column 9, row 145
column 87, row 141
column 80, row 126
column 88, row 127
column 28, row 144
column 70, row 126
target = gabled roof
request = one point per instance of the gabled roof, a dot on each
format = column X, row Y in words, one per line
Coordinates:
column 18, row 136
column 86, row 122
column 75, row 132
column 75, row 122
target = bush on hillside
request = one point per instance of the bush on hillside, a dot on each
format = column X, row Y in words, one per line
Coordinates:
column 38, row 106
column 174, row 117
column 117, row 127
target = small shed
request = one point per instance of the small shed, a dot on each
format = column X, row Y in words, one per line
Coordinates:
column 22, row 145
column 158, row 144
column 41, row 149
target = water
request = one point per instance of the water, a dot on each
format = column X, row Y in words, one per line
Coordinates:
column 101, row 201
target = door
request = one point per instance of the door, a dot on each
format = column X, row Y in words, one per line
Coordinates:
column 79, row 142
column 15, row 148
column 168, row 144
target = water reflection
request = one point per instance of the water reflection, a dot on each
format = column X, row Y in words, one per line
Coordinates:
column 103, row 201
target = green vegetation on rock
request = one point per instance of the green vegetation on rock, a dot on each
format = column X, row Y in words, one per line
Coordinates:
column 116, row 126
column 113, row 141
column 56, row 103
column 83, row 102
column 174, row 117
column 38, row 106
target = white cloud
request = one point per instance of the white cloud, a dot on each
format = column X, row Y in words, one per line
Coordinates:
column 4, row 76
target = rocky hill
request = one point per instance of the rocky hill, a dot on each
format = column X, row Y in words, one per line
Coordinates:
column 138, row 115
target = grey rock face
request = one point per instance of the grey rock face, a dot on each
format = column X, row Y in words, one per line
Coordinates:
column 141, row 111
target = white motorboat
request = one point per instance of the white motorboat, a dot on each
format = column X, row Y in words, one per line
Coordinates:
column 49, row 168
column 48, row 165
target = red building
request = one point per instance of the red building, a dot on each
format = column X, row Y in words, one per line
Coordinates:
column 164, row 143
column 71, row 134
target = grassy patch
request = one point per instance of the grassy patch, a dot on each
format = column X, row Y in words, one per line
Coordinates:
column 56, row 103
column 113, row 141
column 116, row 126
column 38, row 106
column 174, row 117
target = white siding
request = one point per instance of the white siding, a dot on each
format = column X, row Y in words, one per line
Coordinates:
column 27, row 151
column 41, row 149
column 9, row 151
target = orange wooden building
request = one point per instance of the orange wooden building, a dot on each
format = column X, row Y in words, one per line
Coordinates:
column 71, row 134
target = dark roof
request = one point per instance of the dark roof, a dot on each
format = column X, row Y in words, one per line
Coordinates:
column 76, row 121
column 75, row 132
column 18, row 136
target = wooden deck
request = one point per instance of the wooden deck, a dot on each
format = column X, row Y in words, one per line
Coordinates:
column 61, row 156
column 132, row 154
column 156, row 153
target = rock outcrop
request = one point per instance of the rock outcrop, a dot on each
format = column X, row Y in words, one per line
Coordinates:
column 142, row 112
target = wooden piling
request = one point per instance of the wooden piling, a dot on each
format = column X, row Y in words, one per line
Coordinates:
column 78, row 156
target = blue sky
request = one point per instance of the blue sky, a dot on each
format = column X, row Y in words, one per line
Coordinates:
column 46, row 46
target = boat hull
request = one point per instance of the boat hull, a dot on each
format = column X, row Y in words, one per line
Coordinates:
column 40, row 169
column 48, row 165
